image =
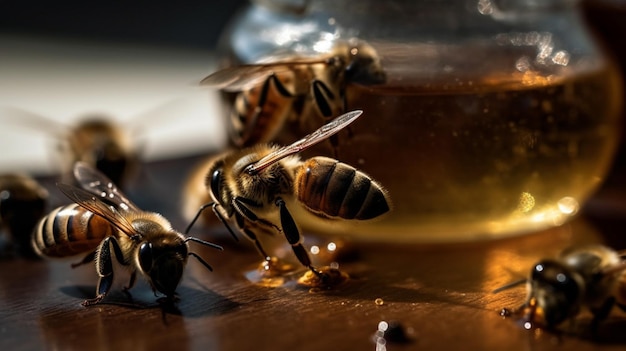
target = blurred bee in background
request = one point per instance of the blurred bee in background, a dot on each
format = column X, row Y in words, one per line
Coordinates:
column 104, row 224
column 256, row 188
column 591, row 277
column 302, row 93
column 95, row 139
column 23, row 202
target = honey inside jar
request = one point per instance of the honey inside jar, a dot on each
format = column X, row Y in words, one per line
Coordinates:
column 498, row 128
column 479, row 158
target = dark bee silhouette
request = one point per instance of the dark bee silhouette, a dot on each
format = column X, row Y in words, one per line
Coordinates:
column 23, row 202
column 590, row 277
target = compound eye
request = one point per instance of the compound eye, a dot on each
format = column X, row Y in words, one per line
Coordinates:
column 145, row 257
column 216, row 182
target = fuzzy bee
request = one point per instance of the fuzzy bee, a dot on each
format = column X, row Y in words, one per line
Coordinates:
column 106, row 226
column 295, row 92
column 258, row 188
column 591, row 277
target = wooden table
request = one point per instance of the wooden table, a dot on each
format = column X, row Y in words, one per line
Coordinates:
column 440, row 294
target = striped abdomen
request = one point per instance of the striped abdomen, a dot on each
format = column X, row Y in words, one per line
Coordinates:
column 70, row 230
column 332, row 188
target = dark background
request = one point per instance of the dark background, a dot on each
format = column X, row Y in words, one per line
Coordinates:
column 189, row 24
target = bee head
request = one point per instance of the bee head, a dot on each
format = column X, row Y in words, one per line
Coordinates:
column 557, row 290
column 364, row 65
column 164, row 265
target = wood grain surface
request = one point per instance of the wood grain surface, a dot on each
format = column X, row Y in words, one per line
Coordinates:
column 440, row 295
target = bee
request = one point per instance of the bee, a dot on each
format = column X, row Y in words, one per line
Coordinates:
column 591, row 277
column 103, row 223
column 298, row 92
column 96, row 139
column 22, row 202
column 256, row 188
column 99, row 142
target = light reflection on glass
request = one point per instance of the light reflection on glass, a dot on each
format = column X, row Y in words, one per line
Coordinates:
column 568, row 205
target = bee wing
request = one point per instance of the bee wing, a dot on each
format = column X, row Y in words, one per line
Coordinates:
column 321, row 134
column 242, row 77
column 31, row 120
column 90, row 202
column 97, row 184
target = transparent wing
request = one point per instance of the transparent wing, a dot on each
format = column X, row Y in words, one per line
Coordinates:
column 242, row 77
column 97, row 184
column 321, row 134
column 31, row 120
column 90, row 202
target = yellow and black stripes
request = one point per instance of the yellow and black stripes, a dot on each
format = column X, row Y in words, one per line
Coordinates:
column 68, row 231
column 332, row 188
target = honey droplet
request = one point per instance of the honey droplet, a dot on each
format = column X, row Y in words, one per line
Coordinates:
column 327, row 278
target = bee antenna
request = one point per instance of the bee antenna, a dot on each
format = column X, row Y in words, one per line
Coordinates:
column 204, row 263
column 509, row 285
column 203, row 242
column 195, row 218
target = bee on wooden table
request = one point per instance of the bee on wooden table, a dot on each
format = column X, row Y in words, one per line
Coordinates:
column 302, row 92
column 591, row 277
column 104, row 224
column 22, row 203
column 257, row 186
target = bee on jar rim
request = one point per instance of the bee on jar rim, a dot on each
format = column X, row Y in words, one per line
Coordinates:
column 591, row 277
column 257, row 187
column 105, row 225
column 298, row 92
column 22, row 203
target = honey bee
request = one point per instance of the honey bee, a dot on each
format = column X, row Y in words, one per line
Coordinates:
column 104, row 224
column 99, row 142
column 302, row 92
column 591, row 277
column 256, row 187
column 22, row 202
column 95, row 139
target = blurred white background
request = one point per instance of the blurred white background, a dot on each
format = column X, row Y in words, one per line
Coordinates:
column 63, row 80
column 63, row 60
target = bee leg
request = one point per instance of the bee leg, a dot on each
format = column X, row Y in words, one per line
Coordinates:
column 292, row 233
column 131, row 283
column 87, row 259
column 280, row 88
column 104, row 267
column 243, row 212
column 322, row 94
column 600, row 313
column 325, row 100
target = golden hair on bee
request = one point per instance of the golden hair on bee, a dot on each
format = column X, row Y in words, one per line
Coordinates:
column 256, row 188
column 292, row 92
column 106, row 226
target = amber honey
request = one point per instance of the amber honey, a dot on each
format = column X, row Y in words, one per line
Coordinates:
column 480, row 158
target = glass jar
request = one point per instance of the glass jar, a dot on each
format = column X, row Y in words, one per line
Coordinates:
column 496, row 117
